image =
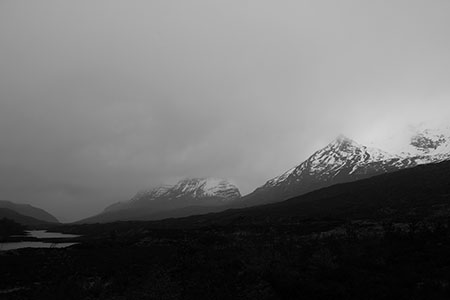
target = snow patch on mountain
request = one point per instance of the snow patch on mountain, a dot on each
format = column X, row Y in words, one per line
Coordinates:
column 207, row 187
column 152, row 193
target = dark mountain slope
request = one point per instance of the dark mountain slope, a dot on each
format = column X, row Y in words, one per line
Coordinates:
column 28, row 210
column 148, row 215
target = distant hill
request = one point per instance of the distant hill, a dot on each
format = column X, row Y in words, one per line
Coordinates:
column 30, row 211
column 21, row 219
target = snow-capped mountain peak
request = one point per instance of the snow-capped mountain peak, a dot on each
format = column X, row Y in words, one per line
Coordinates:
column 341, row 154
column 345, row 160
column 434, row 141
column 191, row 191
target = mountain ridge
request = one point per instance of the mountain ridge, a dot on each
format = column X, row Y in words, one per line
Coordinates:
column 20, row 218
column 342, row 160
column 200, row 193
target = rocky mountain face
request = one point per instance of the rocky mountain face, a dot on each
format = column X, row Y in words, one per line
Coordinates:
column 182, row 197
column 344, row 160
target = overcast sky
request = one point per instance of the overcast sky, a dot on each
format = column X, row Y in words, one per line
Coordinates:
column 99, row 99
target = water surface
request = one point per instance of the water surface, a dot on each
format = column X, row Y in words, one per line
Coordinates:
column 19, row 245
column 42, row 235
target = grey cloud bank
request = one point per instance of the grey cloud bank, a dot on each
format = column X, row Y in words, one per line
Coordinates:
column 99, row 99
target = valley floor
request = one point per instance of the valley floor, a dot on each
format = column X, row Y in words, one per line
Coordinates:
column 309, row 259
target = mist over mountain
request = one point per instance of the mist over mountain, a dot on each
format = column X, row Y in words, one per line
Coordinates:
column 100, row 99
column 424, row 141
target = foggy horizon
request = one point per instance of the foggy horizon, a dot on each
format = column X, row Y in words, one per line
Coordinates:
column 102, row 99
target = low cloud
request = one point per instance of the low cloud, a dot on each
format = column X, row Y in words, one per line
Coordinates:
column 100, row 99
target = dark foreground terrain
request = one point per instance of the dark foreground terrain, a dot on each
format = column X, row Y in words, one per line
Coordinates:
column 356, row 261
column 382, row 238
